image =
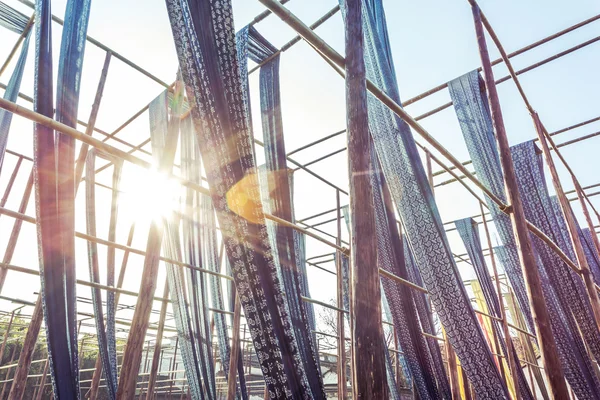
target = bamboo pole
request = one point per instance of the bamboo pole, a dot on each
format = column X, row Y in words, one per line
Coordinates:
column 20, row 378
column 40, row 391
column 6, row 334
column 7, row 379
column 570, row 220
column 158, row 343
column 534, row 287
column 11, row 181
column 366, row 319
column 235, row 351
column 83, row 150
column 341, row 347
column 512, row 363
column 174, row 365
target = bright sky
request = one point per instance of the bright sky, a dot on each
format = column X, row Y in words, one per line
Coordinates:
column 432, row 42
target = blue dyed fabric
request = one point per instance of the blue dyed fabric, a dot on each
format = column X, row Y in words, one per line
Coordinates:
column 470, row 236
column 409, row 187
column 54, row 163
column 279, row 202
column 578, row 319
column 11, row 93
column 473, row 113
column 214, row 70
column 12, row 19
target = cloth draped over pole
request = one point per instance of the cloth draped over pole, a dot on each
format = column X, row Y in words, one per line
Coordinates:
column 569, row 289
column 54, row 163
column 472, row 110
column 390, row 255
column 215, row 75
column 190, row 304
column 585, row 236
column 12, row 89
column 473, row 114
column 470, row 237
column 12, row 19
column 279, row 202
column 409, row 187
column 107, row 342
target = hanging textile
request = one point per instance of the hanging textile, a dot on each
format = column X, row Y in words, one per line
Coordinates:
column 404, row 173
column 280, row 202
column 12, row 19
column 107, row 342
column 585, row 236
column 470, row 236
column 472, row 110
column 473, row 115
column 569, row 288
column 216, row 84
column 54, row 163
column 11, row 93
column 390, row 255
column 189, row 316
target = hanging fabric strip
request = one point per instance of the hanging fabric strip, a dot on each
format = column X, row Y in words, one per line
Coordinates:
column 472, row 110
column 11, row 93
column 12, row 19
column 105, row 332
column 473, row 115
column 216, row 84
column 390, row 255
column 405, row 175
column 280, row 203
column 584, row 235
column 569, row 288
column 54, row 163
column 470, row 236
column 164, row 134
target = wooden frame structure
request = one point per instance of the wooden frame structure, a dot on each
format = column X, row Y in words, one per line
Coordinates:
column 149, row 381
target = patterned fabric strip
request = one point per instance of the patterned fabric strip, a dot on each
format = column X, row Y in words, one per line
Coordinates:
column 164, row 134
column 54, row 163
column 216, row 84
column 472, row 110
column 279, row 202
column 405, row 175
column 12, row 19
column 470, row 236
column 569, row 288
column 11, row 93
column 105, row 332
column 390, row 255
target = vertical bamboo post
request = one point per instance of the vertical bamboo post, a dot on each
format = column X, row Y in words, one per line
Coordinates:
column 548, row 349
column 235, row 350
column 7, row 334
column 341, row 348
column 158, row 344
column 429, row 168
column 92, row 120
column 40, row 391
column 14, row 233
column 11, row 181
column 366, row 321
column 512, row 363
column 20, row 380
column 173, row 366
column 7, row 376
column 570, row 220
column 588, row 219
column 95, row 385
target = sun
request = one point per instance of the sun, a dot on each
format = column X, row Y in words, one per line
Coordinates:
column 148, row 195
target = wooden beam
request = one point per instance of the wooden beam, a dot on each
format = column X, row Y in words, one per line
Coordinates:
column 366, row 319
column 541, row 317
column 235, row 350
column 158, row 343
column 341, row 347
column 20, row 379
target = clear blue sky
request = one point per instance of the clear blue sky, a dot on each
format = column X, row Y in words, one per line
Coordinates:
column 432, row 41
